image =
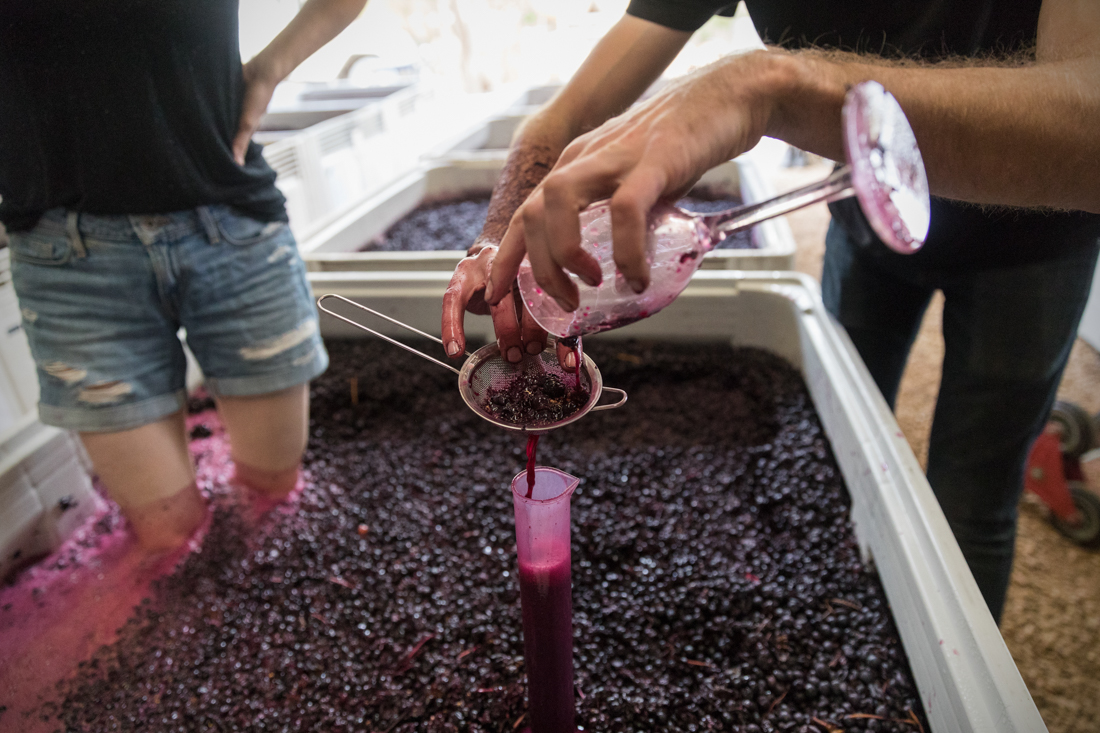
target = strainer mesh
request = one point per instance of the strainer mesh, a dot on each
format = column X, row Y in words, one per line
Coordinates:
column 487, row 382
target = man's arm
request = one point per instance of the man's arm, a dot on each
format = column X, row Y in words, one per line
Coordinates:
column 317, row 23
column 620, row 68
column 1016, row 135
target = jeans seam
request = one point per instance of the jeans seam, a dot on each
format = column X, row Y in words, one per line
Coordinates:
column 73, row 227
column 209, row 224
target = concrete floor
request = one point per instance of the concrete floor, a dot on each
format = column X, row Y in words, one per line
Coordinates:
column 1051, row 622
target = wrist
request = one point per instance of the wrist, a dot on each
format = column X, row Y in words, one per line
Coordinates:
column 773, row 80
column 807, row 94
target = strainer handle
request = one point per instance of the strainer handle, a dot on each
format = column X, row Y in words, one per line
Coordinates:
column 610, row 405
column 383, row 336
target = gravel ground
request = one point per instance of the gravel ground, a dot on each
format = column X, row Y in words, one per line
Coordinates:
column 1051, row 622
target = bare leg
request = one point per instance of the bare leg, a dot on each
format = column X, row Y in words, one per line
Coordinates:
column 148, row 472
column 268, row 435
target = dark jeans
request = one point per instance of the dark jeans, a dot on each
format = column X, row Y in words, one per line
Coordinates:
column 1007, row 335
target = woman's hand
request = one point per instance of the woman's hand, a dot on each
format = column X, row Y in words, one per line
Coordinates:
column 258, row 88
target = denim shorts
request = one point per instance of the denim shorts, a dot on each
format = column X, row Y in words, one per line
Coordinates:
column 102, row 299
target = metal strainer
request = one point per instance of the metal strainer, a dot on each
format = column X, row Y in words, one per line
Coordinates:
column 485, row 373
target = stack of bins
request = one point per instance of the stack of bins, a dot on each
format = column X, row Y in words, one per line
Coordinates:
column 330, row 170
column 964, row 672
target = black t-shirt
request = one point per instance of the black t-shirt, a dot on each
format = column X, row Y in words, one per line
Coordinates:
column 124, row 107
column 961, row 235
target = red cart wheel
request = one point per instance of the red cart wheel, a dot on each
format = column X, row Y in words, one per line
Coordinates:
column 1086, row 532
column 1078, row 433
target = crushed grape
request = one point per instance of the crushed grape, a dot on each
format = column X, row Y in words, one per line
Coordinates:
column 534, row 398
column 455, row 224
column 717, row 583
column 440, row 225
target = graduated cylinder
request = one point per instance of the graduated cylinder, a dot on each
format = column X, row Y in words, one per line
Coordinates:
column 542, row 543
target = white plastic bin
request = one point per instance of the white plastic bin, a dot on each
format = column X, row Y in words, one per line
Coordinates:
column 334, row 246
column 45, row 491
column 297, row 109
column 18, row 377
column 487, row 139
column 964, row 672
column 533, row 98
column 332, row 168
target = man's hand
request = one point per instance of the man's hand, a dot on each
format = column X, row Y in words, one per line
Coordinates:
column 621, row 66
column 516, row 331
column 258, row 88
column 652, row 152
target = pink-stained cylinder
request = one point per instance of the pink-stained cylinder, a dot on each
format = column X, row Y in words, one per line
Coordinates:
column 542, row 543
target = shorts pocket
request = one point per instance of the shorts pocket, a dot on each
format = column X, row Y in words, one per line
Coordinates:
column 37, row 249
column 242, row 231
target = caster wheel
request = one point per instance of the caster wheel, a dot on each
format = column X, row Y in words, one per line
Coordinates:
column 1077, row 427
column 1086, row 533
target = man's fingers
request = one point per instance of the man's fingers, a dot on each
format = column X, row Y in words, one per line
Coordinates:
column 513, row 247
column 566, row 357
column 462, row 295
column 531, row 333
column 454, row 314
column 630, row 206
column 507, row 328
column 564, row 196
column 548, row 274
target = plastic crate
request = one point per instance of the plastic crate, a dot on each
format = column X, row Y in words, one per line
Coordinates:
column 18, row 375
column 336, row 166
column 533, row 98
column 45, row 491
column 312, row 106
column 334, row 247
column 964, row 672
column 487, row 139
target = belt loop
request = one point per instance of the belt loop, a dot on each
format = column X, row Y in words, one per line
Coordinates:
column 73, row 226
column 209, row 224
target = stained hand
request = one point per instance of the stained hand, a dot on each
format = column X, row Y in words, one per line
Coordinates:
column 516, row 331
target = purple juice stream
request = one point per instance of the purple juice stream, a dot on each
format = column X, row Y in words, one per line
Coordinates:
column 546, row 598
column 532, row 453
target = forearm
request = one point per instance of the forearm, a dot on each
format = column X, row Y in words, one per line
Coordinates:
column 620, row 68
column 317, row 23
column 531, row 157
column 1015, row 135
